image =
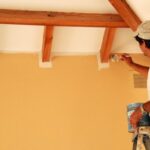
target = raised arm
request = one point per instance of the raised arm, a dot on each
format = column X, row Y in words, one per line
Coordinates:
column 143, row 70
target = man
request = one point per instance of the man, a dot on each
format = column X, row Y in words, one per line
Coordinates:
column 143, row 38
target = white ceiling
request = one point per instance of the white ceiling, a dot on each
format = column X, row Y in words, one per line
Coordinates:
column 68, row 40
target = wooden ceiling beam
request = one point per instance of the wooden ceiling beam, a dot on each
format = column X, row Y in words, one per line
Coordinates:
column 107, row 44
column 125, row 11
column 60, row 18
column 47, row 43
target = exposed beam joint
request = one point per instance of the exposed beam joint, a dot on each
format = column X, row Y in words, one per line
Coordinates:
column 60, row 19
column 107, row 44
column 47, row 43
column 125, row 11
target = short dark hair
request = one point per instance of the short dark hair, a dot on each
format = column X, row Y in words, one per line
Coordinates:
column 140, row 40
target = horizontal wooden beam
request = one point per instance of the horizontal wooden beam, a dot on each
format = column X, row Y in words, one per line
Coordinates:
column 107, row 44
column 126, row 13
column 60, row 18
column 47, row 43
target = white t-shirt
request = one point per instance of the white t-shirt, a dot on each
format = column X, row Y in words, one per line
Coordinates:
column 148, row 84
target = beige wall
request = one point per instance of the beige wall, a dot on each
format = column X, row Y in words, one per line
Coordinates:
column 70, row 107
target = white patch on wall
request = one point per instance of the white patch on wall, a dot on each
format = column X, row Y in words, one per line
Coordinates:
column 124, row 42
column 77, row 40
column 20, row 38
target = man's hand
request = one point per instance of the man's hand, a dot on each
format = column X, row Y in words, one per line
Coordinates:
column 143, row 70
column 126, row 58
column 135, row 117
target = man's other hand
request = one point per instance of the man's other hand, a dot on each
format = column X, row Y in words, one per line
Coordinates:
column 135, row 117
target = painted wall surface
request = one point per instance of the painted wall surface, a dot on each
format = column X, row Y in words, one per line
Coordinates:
column 70, row 107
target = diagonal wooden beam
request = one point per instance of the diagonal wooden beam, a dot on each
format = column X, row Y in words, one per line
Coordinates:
column 107, row 44
column 125, row 11
column 60, row 18
column 47, row 43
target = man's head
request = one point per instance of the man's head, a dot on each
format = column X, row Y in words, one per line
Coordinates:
column 143, row 37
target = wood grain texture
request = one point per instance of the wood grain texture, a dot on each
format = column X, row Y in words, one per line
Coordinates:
column 126, row 13
column 60, row 18
column 107, row 44
column 47, row 43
